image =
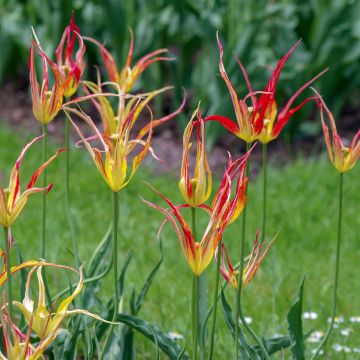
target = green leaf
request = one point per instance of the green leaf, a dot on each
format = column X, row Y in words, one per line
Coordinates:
column 98, row 257
column 101, row 327
column 182, row 353
column 247, row 352
column 295, row 325
column 23, row 272
column 153, row 333
column 141, row 297
column 274, row 344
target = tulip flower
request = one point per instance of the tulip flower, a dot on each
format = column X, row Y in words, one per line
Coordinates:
column 44, row 323
column 222, row 213
column 46, row 102
column 255, row 259
column 113, row 165
column 261, row 120
column 14, row 269
column 16, row 345
column 111, row 119
column 70, row 65
column 127, row 77
column 196, row 190
column 12, row 200
column 343, row 158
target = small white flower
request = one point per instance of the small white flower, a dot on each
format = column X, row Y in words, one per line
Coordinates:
column 175, row 336
column 355, row 319
column 321, row 352
column 315, row 336
column 338, row 319
column 311, row 315
column 345, row 332
column 356, row 350
column 248, row 319
column 340, row 348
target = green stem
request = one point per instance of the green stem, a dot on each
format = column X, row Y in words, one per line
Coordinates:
column 336, row 273
column 195, row 315
column 195, row 295
column 67, row 193
column 238, row 311
column 216, row 289
column 43, row 218
column 8, row 272
column 115, row 212
column 264, row 165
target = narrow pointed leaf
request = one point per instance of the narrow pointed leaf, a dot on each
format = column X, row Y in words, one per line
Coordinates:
column 295, row 325
column 168, row 346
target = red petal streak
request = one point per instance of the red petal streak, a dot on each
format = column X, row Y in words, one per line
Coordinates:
column 41, row 169
column 185, row 227
column 251, row 92
column 109, row 61
column 283, row 117
column 266, row 99
column 226, row 122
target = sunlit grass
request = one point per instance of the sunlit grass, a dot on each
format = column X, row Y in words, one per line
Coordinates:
column 302, row 207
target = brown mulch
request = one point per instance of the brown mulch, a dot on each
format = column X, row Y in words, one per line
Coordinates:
column 15, row 108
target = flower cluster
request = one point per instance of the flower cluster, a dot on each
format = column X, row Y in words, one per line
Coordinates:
column 117, row 146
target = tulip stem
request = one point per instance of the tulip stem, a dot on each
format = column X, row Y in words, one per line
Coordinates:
column 43, row 223
column 216, row 289
column 8, row 272
column 195, row 315
column 195, row 295
column 115, row 211
column 336, row 273
column 238, row 311
column 43, row 218
column 264, row 165
column 67, row 193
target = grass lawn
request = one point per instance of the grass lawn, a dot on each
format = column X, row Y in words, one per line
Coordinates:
column 302, row 206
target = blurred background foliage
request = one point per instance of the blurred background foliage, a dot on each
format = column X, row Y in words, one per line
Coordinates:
column 259, row 32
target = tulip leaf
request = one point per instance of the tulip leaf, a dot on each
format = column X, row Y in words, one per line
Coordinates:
column 153, row 333
column 107, row 315
column 295, row 325
column 127, row 343
column 182, row 353
column 141, row 297
column 247, row 352
column 274, row 344
column 98, row 257
column 23, row 272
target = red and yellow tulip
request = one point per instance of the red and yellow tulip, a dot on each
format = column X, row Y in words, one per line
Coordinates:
column 17, row 345
column 256, row 257
column 44, row 323
column 343, row 158
column 12, row 200
column 260, row 121
column 127, row 77
column 224, row 210
column 71, row 64
column 46, row 102
column 112, row 159
column 196, row 190
column 111, row 119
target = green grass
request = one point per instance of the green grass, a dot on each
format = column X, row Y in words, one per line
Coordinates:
column 302, row 206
